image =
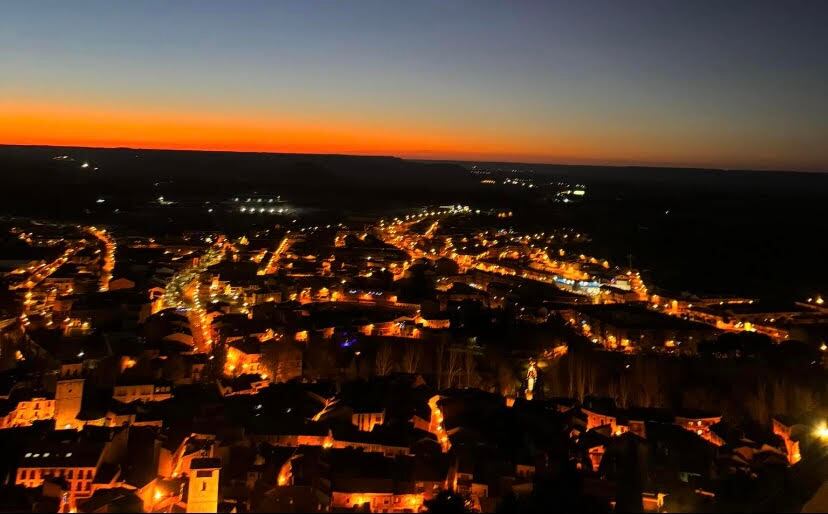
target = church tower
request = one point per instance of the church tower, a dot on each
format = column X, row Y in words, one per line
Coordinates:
column 202, row 493
column 68, row 396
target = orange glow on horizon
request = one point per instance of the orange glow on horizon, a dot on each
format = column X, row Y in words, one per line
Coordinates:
column 35, row 123
column 39, row 123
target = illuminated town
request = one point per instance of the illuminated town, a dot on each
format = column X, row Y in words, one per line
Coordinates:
column 387, row 365
column 433, row 256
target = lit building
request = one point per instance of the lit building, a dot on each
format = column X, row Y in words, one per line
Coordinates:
column 202, row 493
column 76, row 467
column 434, row 322
column 701, row 424
column 68, row 396
column 381, row 500
column 365, row 421
column 784, row 429
column 29, row 410
column 77, row 459
column 596, row 418
column 243, row 357
column 146, row 392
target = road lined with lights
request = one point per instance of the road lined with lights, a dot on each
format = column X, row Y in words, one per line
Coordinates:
column 273, row 262
column 694, row 312
column 184, row 292
column 38, row 274
column 108, row 263
column 564, row 274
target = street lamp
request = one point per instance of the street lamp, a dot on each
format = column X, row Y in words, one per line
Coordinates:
column 821, row 431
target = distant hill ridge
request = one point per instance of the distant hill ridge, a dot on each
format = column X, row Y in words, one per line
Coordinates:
column 36, row 163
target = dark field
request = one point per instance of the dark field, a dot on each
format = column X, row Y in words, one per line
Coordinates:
column 702, row 231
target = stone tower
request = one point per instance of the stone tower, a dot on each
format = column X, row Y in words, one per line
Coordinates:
column 68, row 396
column 202, row 493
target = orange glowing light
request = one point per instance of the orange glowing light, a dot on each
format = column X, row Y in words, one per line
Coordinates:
column 88, row 122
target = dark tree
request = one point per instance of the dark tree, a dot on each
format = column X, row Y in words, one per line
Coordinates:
column 446, row 502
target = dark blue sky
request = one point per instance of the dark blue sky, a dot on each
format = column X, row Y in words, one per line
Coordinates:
column 713, row 83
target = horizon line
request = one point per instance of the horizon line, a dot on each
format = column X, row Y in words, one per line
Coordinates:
column 433, row 160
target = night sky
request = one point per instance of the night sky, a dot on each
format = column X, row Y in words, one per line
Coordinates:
column 733, row 84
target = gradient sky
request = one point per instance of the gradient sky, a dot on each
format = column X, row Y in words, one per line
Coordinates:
column 734, row 84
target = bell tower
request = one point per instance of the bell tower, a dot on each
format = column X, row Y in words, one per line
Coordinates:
column 202, row 493
column 68, row 396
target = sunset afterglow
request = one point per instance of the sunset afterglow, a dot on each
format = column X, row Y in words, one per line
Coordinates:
column 551, row 83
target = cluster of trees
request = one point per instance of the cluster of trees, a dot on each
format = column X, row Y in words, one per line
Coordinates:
column 742, row 389
column 450, row 365
column 444, row 362
column 10, row 343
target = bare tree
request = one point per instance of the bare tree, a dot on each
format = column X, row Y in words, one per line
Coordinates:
column 384, row 360
column 453, row 366
column 506, row 379
column 623, row 390
column 441, row 350
column 580, row 380
column 411, row 357
column 470, row 366
column 9, row 346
